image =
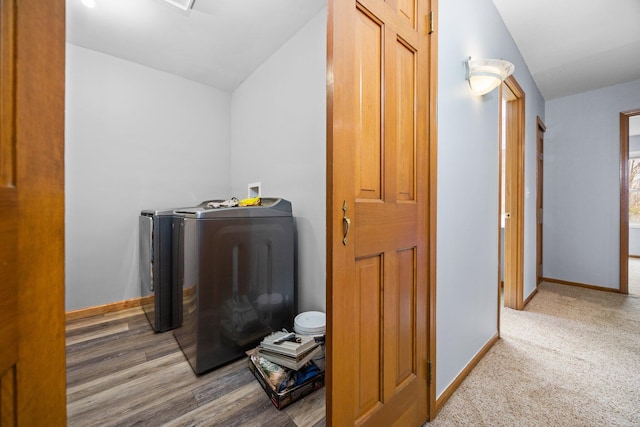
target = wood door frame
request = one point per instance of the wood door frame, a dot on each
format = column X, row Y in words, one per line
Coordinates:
column 540, row 130
column 432, row 187
column 624, row 198
column 514, row 204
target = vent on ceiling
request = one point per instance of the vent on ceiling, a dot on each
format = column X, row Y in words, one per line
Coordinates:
column 181, row 4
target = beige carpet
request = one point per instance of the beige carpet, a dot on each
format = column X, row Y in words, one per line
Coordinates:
column 571, row 358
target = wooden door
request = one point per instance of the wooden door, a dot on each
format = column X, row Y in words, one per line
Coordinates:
column 32, row 359
column 539, row 193
column 377, row 212
column 514, row 195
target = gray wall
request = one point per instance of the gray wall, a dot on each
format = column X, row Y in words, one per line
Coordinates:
column 278, row 122
column 136, row 138
column 581, row 198
column 467, row 240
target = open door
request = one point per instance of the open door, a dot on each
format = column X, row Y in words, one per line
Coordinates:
column 377, row 212
column 32, row 343
column 514, row 194
column 624, row 198
column 541, row 129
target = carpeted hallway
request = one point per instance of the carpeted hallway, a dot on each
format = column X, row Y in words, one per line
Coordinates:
column 571, row 358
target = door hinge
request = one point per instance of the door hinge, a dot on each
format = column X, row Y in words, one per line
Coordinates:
column 430, row 23
column 428, row 371
column 540, row 216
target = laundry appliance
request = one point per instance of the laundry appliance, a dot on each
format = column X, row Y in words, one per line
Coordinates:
column 159, row 294
column 235, row 266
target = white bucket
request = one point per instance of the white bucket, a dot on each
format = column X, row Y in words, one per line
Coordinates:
column 313, row 323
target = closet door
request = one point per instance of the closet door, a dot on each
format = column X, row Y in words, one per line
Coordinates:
column 377, row 212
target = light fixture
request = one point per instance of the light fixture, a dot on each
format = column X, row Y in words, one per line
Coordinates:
column 181, row 4
column 484, row 75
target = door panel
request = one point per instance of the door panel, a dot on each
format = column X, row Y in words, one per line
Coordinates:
column 369, row 142
column 8, row 219
column 407, row 9
column 400, row 305
column 377, row 277
column 405, row 84
column 368, row 336
column 32, row 347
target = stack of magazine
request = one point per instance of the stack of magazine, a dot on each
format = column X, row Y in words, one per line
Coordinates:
column 289, row 349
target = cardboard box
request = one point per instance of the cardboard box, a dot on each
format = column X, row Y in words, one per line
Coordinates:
column 287, row 397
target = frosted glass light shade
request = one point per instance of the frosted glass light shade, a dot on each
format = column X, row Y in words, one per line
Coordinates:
column 484, row 75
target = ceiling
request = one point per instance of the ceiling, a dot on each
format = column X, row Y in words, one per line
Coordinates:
column 218, row 43
column 573, row 46
column 570, row 46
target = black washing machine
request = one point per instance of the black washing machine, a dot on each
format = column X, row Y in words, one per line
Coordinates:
column 236, row 270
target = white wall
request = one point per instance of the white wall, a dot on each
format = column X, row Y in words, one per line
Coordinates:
column 634, row 241
column 278, row 120
column 467, row 239
column 136, row 138
column 582, row 193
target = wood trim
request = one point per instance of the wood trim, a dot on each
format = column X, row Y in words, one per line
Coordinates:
column 634, row 256
column 432, row 223
column 514, row 258
column 624, row 204
column 501, row 257
column 106, row 308
column 541, row 124
column 446, row 395
column 530, row 297
column 580, row 285
column 624, row 199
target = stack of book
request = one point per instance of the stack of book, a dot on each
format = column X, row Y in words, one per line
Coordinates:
column 290, row 350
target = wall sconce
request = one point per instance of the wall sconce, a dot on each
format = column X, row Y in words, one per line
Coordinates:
column 484, row 75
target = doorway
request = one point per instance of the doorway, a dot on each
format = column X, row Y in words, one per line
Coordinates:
column 629, row 199
column 512, row 191
column 540, row 130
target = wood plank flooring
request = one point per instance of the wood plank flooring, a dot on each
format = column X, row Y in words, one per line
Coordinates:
column 121, row 373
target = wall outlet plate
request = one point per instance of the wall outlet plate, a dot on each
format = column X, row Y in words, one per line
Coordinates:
column 254, row 190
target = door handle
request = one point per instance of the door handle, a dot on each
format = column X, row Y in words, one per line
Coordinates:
column 346, row 223
column 507, row 215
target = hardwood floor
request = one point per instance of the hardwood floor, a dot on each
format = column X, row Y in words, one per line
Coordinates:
column 121, row 373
